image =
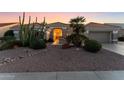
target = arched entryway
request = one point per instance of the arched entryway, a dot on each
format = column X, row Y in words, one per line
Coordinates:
column 57, row 34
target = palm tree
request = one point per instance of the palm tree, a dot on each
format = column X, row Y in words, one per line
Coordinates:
column 77, row 24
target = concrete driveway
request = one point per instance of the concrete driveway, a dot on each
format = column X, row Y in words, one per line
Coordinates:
column 116, row 48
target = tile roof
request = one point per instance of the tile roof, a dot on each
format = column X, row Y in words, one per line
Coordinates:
column 117, row 24
column 100, row 27
column 6, row 24
column 57, row 24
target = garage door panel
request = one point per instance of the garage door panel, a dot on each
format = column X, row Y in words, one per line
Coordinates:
column 103, row 37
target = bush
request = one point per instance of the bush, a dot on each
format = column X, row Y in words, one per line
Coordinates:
column 9, row 33
column 68, row 39
column 121, row 38
column 92, row 46
column 76, row 39
column 38, row 44
column 7, row 38
column 17, row 43
column 10, row 44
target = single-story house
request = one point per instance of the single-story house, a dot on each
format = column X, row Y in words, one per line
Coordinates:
column 4, row 27
column 51, row 28
column 104, row 33
column 62, row 27
column 121, row 31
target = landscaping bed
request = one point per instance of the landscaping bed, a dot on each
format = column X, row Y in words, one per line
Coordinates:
column 53, row 58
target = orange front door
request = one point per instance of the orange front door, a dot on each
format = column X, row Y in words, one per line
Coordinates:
column 57, row 34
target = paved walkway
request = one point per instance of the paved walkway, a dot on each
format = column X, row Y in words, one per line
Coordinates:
column 117, row 48
column 84, row 75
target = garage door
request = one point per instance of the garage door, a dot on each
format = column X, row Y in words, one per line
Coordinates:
column 103, row 37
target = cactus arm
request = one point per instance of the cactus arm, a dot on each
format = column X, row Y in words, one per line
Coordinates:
column 28, row 30
column 20, row 20
column 21, row 28
column 36, row 20
column 23, row 20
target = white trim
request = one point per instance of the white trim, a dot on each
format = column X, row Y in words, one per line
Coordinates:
column 86, row 32
column 115, row 31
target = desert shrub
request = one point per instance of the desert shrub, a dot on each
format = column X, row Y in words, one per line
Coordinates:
column 68, row 39
column 38, row 44
column 10, row 44
column 6, row 45
column 7, row 38
column 37, row 40
column 92, row 46
column 76, row 39
column 121, row 38
column 17, row 43
column 9, row 33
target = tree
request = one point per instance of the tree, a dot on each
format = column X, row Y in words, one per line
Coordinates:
column 77, row 24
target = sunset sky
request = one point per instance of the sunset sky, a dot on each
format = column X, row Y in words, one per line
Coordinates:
column 101, row 17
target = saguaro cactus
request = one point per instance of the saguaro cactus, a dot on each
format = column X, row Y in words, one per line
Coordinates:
column 43, row 29
column 24, row 30
column 37, row 36
column 32, row 36
column 21, row 22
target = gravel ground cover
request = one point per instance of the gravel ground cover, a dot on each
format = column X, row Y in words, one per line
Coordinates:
column 56, row 59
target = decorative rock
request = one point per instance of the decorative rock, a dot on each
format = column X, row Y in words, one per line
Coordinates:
column 27, row 51
column 29, row 55
column 7, row 60
column 20, row 57
column 45, row 50
column 77, row 49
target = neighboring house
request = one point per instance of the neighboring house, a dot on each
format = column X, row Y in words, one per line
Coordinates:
column 16, row 29
column 121, row 25
column 5, row 26
column 103, row 33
